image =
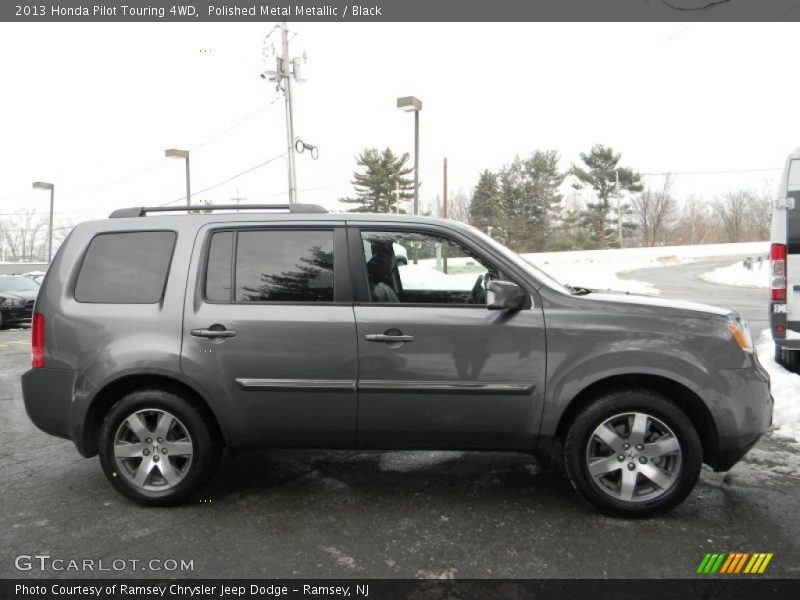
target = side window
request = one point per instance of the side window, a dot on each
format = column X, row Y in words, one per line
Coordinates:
column 271, row 266
column 219, row 270
column 422, row 268
column 125, row 268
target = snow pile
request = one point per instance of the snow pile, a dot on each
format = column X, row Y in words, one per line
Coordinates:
column 785, row 387
column 739, row 275
column 598, row 268
column 428, row 274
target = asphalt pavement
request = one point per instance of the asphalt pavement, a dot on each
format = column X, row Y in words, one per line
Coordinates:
column 383, row 514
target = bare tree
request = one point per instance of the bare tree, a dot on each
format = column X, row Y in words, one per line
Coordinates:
column 653, row 210
column 458, row 204
column 759, row 214
column 24, row 237
column 731, row 209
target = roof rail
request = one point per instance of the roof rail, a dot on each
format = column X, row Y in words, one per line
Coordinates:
column 141, row 211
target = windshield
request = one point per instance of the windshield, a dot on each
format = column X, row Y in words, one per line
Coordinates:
column 518, row 260
column 18, row 284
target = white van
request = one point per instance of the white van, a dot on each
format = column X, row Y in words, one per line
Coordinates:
column 784, row 312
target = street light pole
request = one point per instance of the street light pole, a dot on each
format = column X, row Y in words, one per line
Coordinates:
column 184, row 154
column 42, row 185
column 408, row 104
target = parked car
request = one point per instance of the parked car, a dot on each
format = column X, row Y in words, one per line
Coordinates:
column 17, row 297
column 785, row 267
column 159, row 340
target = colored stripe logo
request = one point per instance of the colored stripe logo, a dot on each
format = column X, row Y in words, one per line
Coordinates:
column 734, row 562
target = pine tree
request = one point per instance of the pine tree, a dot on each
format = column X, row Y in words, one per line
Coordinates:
column 532, row 200
column 382, row 182
column 601, row 164
column 485, row 208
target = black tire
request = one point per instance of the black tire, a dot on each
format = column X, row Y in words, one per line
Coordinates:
column 193, row 425
column 2, row 322
column 580, row 441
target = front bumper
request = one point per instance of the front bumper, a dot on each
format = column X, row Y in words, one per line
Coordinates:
column 16, row 314
column 742, row 417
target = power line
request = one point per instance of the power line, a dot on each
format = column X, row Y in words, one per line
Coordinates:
column 725, row 172
column 228, row 180
column 164, row 162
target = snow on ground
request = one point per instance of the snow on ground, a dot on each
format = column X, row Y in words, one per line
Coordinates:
column 738, row 274
column 595, row 269
column 785, row 387
column 598, row 269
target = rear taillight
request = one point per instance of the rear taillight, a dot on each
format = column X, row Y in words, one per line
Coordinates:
column 37, row 341
column 777, row 271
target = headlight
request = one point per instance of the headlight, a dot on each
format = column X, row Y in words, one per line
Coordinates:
column 741, row 333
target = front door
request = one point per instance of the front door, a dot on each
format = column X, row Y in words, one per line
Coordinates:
column 269, row 334
column 436, row 368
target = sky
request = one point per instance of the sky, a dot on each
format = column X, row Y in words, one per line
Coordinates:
column 91, row 107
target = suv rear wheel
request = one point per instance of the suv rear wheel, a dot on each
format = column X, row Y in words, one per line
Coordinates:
column 156, row 448
column 633, row 453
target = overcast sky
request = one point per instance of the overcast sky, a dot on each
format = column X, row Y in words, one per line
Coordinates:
column 91, row 107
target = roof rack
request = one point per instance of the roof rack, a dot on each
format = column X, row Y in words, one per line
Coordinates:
column 141, row 211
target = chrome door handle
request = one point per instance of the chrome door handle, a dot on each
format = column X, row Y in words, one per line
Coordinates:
column 213, row 333
column 382, row 337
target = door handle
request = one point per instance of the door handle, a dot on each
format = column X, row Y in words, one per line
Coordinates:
column 213, row 333
column 382, row 337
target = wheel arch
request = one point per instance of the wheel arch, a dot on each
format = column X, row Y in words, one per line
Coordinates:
column 686, row 399
column 112, row 391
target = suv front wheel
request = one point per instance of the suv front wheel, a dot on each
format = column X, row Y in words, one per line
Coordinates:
column 156, row 448
column 633, row 453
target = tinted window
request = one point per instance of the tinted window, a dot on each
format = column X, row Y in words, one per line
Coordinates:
column 125, row 268
column 218, row 273
column 284, row 266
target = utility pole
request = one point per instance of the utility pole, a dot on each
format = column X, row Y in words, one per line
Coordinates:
column 287, row 94
column 238, row 199
column 286, row 69
column 619, row 209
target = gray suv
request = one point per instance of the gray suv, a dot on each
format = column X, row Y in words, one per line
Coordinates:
column 159, row 340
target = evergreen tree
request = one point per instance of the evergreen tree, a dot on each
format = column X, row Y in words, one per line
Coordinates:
column 382, row 182
column 485, row 208
column 532, row 200
column 601, row 167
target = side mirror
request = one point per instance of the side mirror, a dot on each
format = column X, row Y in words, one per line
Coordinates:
column 504, row 295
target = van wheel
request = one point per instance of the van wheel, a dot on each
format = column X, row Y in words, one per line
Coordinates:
column 156, row 448
column 633, row 453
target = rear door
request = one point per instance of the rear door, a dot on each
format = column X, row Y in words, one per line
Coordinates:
column 269, row 333
column 436, row 368
column 793, row 248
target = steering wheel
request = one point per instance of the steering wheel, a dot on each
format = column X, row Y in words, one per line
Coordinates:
column 478, row 293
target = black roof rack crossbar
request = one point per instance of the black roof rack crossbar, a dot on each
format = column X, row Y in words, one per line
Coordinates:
column 141, row 211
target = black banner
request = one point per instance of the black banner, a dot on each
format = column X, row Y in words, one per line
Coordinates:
column 400, row 10
column 733, row 588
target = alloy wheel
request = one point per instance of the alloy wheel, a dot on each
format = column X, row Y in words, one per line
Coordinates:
column 153, row 449
column 634, row 457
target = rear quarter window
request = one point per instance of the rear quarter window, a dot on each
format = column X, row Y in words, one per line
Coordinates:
column 125, row 268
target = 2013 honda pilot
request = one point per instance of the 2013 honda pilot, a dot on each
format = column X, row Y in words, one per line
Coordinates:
column 160, row 339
